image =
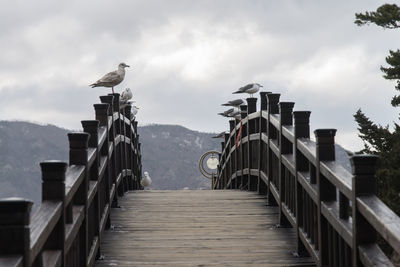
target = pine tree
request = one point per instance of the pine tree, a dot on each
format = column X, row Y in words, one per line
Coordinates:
column 378, row 139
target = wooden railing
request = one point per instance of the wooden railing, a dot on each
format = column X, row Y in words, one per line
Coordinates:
column 66, row 230
column 336, row 213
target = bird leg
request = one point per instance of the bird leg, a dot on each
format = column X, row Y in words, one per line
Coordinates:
column 112, row 89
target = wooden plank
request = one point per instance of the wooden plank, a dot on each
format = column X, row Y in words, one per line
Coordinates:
column 383, row 219
column 338, row 176
column 102, row 136
column 93, row 251
column 11, row 261
column 52, row 258
column 43, row 222
column 344, row 227
column 72, row 229
column 197, row 227
column 74, row 177
column 92, row 192
column 103, row 165
column 288, row 132
column 110, row 149
column 308, row 149
column 371, row 255
column 91, row 156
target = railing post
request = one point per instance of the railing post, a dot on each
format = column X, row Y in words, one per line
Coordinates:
column 301, row 130
column 240, row 152
column 273, row 108
column 14, row 227
column 285, row 147
column 128, row 147
column 363, row 184
column 251, row 155
column 261, row 187
column 233, row 159
column 228, row 165
column 53, row 188
column 78, row 154
column 109, row 99
column 325, row 151
column 102, row 113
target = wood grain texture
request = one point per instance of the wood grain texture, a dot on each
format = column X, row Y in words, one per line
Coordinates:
column 197, row 228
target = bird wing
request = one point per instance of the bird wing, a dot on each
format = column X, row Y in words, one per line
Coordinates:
column 110, row 77
column 236, row 102
column 247, row 87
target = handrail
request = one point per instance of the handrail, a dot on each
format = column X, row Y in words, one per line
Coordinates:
column 335, row 211
column 104, row 163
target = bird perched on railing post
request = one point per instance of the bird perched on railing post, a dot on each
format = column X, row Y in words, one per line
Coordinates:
column 251, row 88
column 112, row 79
column 126, row 95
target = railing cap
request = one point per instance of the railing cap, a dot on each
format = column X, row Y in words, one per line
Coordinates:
column 107, row 99
column 286, row 106
column 78, row 140
column 301, row 117
column 325, row 133
column 101, row 106
column 363, row 164
column 90, row 123
column 15, row 211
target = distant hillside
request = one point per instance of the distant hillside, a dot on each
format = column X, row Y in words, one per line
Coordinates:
column 22, row 146
column 170, row 153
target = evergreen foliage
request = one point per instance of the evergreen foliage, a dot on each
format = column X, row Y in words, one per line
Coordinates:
column 380, row 140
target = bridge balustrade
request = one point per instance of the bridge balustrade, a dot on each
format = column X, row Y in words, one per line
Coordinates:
column 66, row 230
column 336, row 213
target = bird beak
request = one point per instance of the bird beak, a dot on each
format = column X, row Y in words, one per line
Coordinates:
column 261, row 86
column 127, row 66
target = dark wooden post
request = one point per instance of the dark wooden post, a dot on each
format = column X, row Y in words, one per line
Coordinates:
column 363, row 184
column 53, row 188
column 78, row 154
column 325, row 151
column 14, row 227
column 301, row 130
column 262, row 162
column 109, row 99
column 118, row 148
column 228, row 166
column 102, row 113
column 128, row 151
column 252, row 152
column 285, row 147
column 273, row 108
column 234, row 166
column 240, row 153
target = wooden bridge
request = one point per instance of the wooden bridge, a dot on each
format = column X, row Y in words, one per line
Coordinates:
column 286, row 201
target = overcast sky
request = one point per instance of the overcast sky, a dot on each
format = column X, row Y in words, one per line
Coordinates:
column 187, row 57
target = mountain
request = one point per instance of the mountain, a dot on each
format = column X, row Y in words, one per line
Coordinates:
column 170, row 153
column 23, row 146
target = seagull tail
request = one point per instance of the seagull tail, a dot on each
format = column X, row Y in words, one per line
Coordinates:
column 237, row 92
column 94, row 85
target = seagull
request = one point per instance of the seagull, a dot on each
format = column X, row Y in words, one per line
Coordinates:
column 226, row 112
column 124, row 103
column 251, row 88
column 234, row 103
column 112, row 79
column 236, row 114
column 134, row 111
column 126, row 94
column 220, row 135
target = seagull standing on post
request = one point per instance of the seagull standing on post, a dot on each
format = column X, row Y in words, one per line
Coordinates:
column 251, row 88
column 234, row 103
column 112, row 79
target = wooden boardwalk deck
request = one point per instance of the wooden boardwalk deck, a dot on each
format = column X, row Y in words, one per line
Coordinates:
column 197, row 228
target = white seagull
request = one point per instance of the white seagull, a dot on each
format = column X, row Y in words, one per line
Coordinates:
column 126, row 94
column 112, row 79
column 251, row 88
